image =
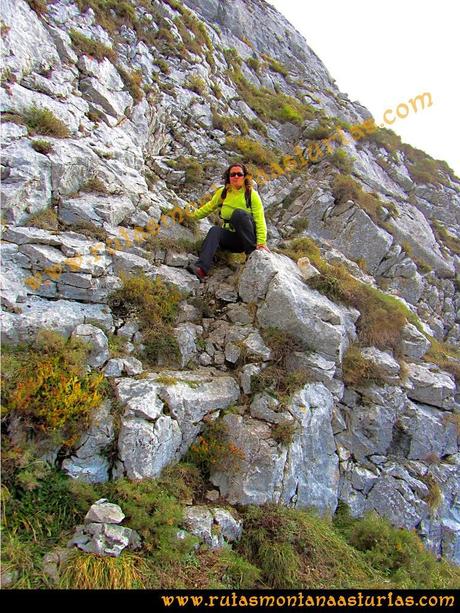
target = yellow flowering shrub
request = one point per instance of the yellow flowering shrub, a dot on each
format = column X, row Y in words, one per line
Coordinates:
column 47, row 385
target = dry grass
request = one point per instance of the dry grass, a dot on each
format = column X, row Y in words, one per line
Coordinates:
column 42, row 146
column 91, row 47
column 133, row 82
column 42, row 121
column 85, row 571
column 155, row 305
column 298, row 549
column 45, row 220
column 345, row 188
column 358, row 370
column 446, row 356
column 382, row 316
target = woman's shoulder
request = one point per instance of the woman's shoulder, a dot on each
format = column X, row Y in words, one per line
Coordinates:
column 219, row 190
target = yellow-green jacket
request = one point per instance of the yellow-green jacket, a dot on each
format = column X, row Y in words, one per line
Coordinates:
column 236, row 200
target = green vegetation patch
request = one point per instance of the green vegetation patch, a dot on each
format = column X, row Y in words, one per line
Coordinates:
column 42, row 146
column 345, row 188
column 450, row 241
column 445, row 355
column 397, row 554
column 298, row 549
column 275, row 378
column 154, row 304
column 359, row 370
column 45, row 383
column 83, row 571
column 342, row 161
column 42, row 121
column 194, row 170
column 93, row 48
column 251, row 150
column 280, row 547
column 422, row 168
column 39, row 6
column 271, row 105
column 213, row 449
column 133, row 82
column 275, row 65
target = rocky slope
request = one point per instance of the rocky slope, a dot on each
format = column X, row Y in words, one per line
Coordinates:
column 153, row 100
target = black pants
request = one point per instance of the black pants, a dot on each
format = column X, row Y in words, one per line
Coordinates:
column 243, row 239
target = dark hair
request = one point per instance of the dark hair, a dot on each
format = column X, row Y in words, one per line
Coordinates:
column 226, row 178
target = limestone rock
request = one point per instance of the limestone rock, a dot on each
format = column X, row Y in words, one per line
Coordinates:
column 429, row 386
column 104, row 539
column 60, row 315
column 304, row 473
column 215, row 527
column 100, row 344
column 413, row 343
column 104, row 512
column 387, row 366
column 306, row 315
column 88, row 462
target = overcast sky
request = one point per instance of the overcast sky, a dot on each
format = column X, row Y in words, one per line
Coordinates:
column 383, row 54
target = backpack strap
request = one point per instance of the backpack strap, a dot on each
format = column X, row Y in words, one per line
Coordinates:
column 248, row 197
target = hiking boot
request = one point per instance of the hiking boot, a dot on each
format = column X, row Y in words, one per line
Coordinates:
column 198, row 271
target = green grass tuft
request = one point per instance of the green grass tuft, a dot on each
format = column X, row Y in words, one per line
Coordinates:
column 155, row 305
column 42, row 121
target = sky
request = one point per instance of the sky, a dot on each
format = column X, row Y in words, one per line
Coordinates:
column 382, row 54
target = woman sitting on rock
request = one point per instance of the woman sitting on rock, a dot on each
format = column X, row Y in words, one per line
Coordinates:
column 243, row 215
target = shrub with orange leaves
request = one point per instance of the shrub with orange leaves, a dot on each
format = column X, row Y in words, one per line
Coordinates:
column 46, row 383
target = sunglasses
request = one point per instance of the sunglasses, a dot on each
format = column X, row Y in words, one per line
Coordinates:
column 237, row 174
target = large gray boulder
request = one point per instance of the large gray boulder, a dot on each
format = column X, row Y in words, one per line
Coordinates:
column 28, row 47
column 302, row 472
column 256, row 474
column 104, row 539
column 413, row 343
column 429, row 385
column 359, row 237
column 95, row 209
column 424, row 433
column 387, row 366
column 393, row 497
column 291, row 306
column 412, row 227
column 27, row 189
column 194, row 396
column 59, row 315
column 104, row 512
column 311, row 475
column 187, row 335
column 370, row 421
column 164, row 415
column 261, row 267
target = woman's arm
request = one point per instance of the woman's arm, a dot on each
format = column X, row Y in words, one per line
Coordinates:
column 209, row 207
column 259, row 218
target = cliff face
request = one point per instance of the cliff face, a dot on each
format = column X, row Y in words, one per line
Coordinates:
column 146, row 104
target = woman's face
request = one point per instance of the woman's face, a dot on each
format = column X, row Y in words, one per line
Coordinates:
column 236, row 177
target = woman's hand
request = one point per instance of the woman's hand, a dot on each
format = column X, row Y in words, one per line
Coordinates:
column 263, row 247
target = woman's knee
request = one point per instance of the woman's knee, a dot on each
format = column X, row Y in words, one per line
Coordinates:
column 239, row 214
